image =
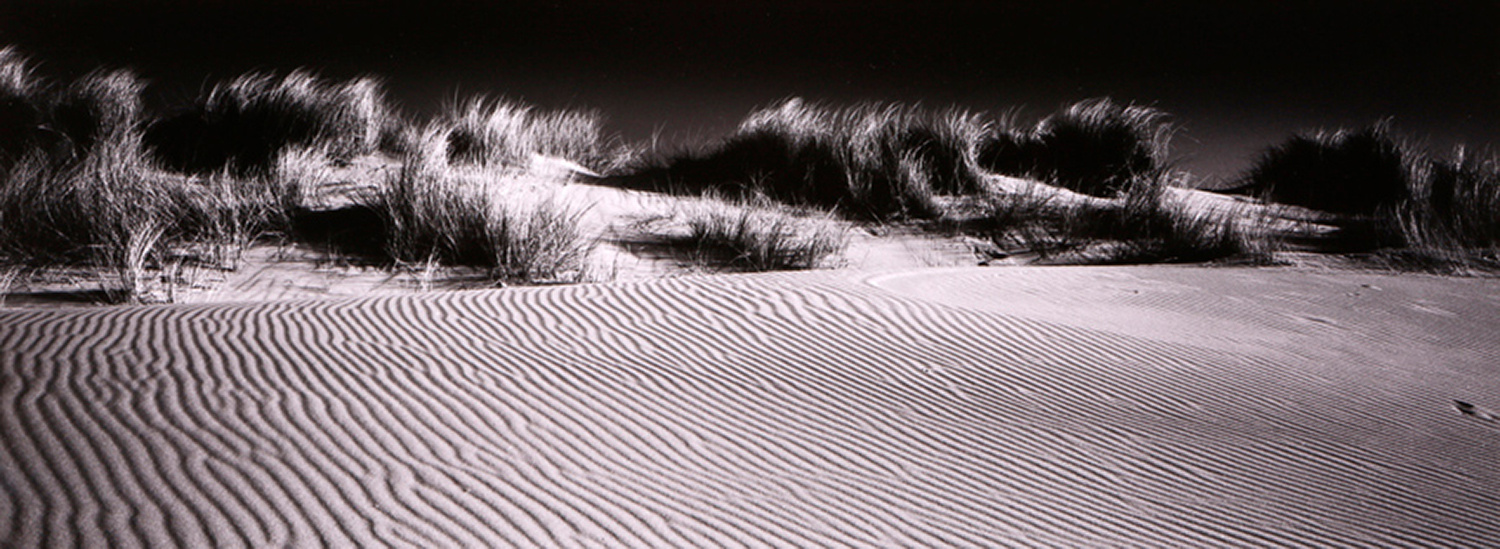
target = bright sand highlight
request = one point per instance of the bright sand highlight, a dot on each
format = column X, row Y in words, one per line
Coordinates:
column 1056, row 406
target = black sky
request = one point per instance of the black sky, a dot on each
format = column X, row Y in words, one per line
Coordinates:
column 1239, row 75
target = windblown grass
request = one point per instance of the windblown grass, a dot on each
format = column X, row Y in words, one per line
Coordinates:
column 1347, row 172
column 1096, row 147
column 435, row 212
column 92, row 196
column 1394, row 197
column 1145, row 225
column 242, row 124
column 870, row 160
column 63, row 203
column 21, row 105
column 754, row 235
column 499, row 133
column 1452, row 220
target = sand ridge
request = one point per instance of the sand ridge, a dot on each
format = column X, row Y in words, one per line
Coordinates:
column 937, row 408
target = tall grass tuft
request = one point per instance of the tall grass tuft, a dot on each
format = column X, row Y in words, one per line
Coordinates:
column 1347, row 172
column 101, row 116
column 500, row 133
column 244, row 123
column 437, row 213
column 870, row 160
column 63, row 202
column 21, row 105
column 91, row 195
column 1452, row 220
column 755, row 234
column 1096, row 147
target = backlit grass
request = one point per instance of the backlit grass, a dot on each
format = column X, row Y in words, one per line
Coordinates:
column 1096, row 147
column 244, row 123
column 436, row 213
column 871, row 160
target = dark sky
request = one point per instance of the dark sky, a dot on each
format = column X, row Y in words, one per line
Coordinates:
column 1239, row 75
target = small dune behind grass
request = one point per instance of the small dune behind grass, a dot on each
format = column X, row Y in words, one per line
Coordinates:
column 1145, row 225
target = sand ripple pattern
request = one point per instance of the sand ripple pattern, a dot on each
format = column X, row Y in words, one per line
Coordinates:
column 801, row 410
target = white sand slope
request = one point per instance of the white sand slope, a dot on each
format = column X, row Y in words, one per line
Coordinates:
column 946, row 408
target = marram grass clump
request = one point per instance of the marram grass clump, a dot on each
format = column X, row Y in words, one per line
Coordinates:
column 1344, row 171
column 754, row 234
column 1096, row 147
column 871, row 160
column 1144, row 225
column 89, row 194
column 244, row 123
column 22, row 100
column 437, row 213
column 500, row 133
column 1391, row 195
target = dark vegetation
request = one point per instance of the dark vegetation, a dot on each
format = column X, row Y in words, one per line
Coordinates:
column 749, row 234
column 89, row 177
column 1349, row 172
column 242, row 124
column 1395, row 197
column 868, row 161
column 1096, row 147
column 431, row 214
column 1143, row 226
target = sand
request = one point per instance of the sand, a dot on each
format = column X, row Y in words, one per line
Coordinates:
column 1029, row 406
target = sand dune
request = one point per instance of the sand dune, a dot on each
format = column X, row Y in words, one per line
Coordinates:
column 940, row 408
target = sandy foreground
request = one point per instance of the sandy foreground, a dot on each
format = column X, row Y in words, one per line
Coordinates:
column 968, row 407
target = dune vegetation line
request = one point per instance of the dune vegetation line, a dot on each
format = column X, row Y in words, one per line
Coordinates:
column 90, row 178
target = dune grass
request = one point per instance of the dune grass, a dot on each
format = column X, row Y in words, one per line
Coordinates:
column 1451, row 221
column 437, row 213
column 1096, row 147
column 1343, row 171
column 89, row 194
column 244, row 123
column 1416, row 210
column 1145, row 225
column 753, row 235
column 870, row 160
column 62, row 202
column 500, row 133
column 91, row 180
column 21, row 105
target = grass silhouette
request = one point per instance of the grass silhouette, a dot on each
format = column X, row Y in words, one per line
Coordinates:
column 242, row 124
column 750, row 234
column 90, row 177
column 1096, row 147
column 1349, row 172
column 499, row 133
column 1144, row 225
column 870, row 160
